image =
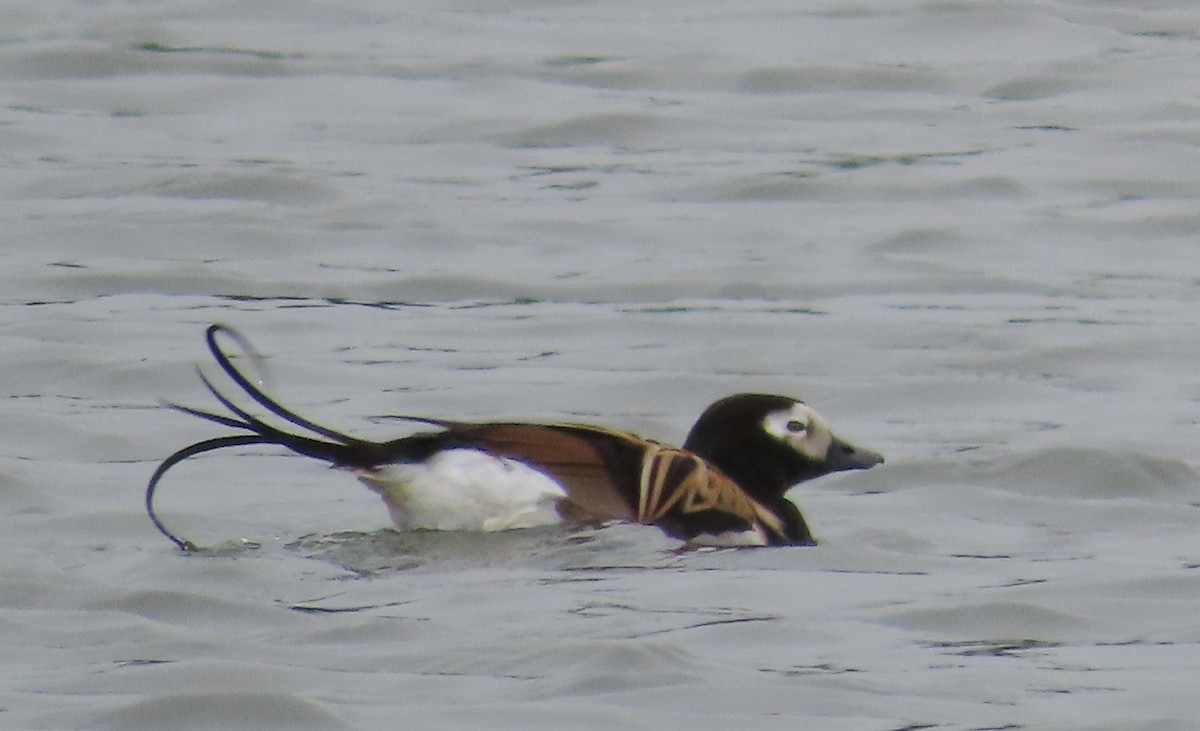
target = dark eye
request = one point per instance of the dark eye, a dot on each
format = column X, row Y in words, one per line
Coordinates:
column 795, row 426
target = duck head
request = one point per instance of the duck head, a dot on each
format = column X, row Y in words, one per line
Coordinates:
column 769, row 443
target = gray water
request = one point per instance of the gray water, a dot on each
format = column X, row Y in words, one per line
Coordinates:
column 966, row 232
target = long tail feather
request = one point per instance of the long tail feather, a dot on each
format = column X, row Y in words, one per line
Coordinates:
column 327, row 444
column 255, row 393
column 191, row 450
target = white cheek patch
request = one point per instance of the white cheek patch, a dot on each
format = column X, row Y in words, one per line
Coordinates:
column 801, row 428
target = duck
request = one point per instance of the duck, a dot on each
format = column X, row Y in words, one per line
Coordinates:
column 725, row 486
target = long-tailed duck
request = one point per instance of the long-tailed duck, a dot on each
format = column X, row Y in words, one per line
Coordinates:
column 725, row 486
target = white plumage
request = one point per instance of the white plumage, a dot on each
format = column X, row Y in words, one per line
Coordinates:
column 465, row 489
column 725, row 486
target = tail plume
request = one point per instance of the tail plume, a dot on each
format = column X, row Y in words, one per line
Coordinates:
column 337, row 448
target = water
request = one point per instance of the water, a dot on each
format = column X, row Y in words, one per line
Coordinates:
column 963, row 231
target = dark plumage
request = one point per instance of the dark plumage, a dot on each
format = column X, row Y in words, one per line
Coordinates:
column 726, row 485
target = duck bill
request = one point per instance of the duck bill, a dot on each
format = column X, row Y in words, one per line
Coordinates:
column 845, row 456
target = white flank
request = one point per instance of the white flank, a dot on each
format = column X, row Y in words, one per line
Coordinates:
column 729, row 539
column 464, row 489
